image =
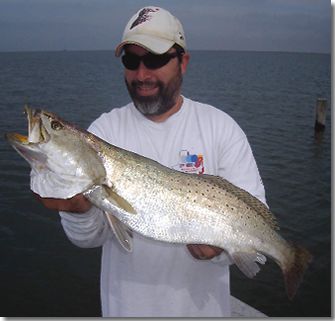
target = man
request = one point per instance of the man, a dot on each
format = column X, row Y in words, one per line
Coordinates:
column 160, row 279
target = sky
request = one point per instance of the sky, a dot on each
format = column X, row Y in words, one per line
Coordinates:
column 261, row 25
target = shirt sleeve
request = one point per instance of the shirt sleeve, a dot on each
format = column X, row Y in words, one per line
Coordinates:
column 237, row 164
column 86, row 230
column 222, row 259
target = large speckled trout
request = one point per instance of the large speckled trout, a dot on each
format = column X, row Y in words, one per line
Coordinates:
column 139, row 194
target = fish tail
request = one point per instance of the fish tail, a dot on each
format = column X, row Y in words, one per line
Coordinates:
column 294, row 269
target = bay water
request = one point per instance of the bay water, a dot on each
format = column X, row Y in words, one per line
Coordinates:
column 272, row 95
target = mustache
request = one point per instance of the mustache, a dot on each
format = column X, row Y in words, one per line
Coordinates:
column 146, row 83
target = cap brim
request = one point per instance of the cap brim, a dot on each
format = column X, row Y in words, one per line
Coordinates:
column 157, row 46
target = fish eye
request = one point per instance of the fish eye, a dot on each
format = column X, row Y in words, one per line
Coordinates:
column 56, row 125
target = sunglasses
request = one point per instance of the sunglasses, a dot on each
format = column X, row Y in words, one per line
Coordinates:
column 150, row 61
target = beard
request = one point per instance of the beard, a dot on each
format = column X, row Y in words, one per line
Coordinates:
column 159, row 103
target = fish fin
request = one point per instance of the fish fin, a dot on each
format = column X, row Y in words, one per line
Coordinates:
column 122, row 233
column 106, row 199
column 119, row 201
column 247, row 262
column 250, row 200
column 294, row 269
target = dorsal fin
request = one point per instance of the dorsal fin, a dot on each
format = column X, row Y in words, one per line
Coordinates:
column 250, row 200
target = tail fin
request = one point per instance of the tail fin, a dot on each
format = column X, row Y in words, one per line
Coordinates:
column 293, row 271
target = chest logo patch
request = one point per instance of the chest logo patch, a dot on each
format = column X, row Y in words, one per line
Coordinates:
column 190, row 163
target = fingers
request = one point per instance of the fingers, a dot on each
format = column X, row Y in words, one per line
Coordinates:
column 203, row 252
column 75, row 204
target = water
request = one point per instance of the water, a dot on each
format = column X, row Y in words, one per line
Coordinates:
column 271, row 95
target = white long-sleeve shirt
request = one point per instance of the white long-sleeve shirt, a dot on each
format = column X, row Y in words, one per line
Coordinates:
column 161, row 279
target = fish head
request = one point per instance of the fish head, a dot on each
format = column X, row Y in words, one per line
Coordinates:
column 29, row 146
column 60, row 154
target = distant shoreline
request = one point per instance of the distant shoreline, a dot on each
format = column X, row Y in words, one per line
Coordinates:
column 191, row 50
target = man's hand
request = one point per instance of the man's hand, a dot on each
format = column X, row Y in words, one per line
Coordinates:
column 75, row 204
column 203, row 252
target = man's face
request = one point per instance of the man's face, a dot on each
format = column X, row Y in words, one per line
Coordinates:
column 154, row 91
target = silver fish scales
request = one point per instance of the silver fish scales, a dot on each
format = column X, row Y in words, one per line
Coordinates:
column 138, row 194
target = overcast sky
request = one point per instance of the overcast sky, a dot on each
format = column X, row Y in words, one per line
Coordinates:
column 275, row 25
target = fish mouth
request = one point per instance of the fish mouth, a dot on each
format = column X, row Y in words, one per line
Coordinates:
column 29, row 147
column 37, row 133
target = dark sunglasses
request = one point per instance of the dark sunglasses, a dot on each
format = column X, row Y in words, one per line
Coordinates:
column 150, row 61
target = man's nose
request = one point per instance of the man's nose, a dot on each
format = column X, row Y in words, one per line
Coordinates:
column 143, row 72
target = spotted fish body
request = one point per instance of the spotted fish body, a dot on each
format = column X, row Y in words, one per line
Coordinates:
column 143, row 196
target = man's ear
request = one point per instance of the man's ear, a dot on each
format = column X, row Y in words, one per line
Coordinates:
column 185, row 59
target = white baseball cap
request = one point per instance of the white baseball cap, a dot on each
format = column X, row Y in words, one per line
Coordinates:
column 153, row 28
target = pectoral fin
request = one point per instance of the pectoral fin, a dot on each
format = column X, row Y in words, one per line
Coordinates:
column 247, row 262
column 122, row 233
column 107, row 199
column 119, row 201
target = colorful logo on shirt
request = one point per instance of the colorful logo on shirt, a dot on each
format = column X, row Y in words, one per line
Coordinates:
column 190, row 163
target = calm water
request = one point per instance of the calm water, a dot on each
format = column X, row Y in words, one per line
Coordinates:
column 271, row 95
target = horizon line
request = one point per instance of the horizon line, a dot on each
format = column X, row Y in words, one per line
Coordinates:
column 190, row 50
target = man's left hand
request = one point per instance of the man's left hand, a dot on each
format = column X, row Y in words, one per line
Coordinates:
column 203, row 252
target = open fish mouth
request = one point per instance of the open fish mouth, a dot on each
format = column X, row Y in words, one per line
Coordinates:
column 37, row 133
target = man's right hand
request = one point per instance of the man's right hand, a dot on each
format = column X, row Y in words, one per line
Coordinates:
column 75, row 204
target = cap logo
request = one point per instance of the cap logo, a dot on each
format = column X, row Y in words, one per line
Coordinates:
column 143, row 16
